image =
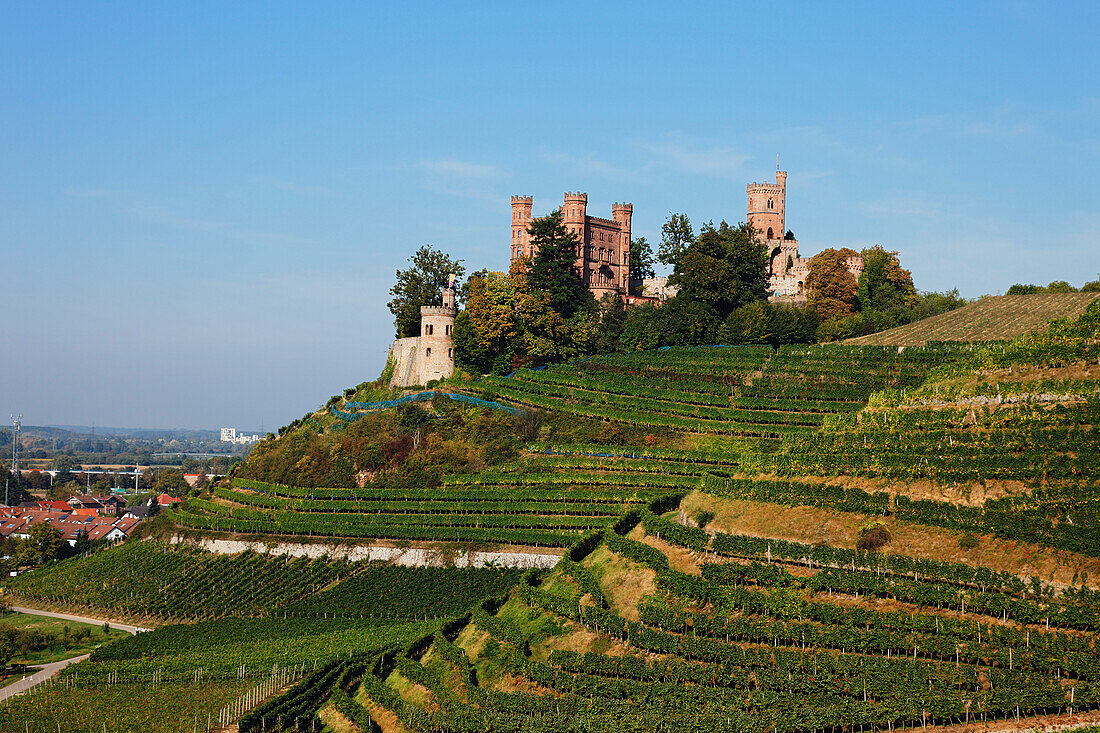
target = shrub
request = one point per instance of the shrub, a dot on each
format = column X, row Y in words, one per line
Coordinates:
column 702, row 518
column 873, row 537
column 968, row 541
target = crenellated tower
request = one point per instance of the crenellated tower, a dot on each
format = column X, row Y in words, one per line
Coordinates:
column 521, row 219
column 767, row 206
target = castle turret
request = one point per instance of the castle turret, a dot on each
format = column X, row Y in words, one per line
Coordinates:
column 431, row 355
column 767, row 206
column 621, row 214
column 521, row 219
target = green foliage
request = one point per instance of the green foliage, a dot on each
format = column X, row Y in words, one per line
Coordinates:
column 722, row 270
column 552, row 269
column 420, row 284
column 676, row 236
column 149, row 579
column 396, row 592
column 968, row 540
column 642, row 260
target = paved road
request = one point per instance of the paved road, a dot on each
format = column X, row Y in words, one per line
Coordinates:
column 81, row 619
column 47, row 671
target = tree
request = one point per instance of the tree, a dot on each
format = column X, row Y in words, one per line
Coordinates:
column 885, row 294
column 831, row 286
column 641, row 263
column 676, row 237
column 46, row 541
column 723, row 269
column 419, row 285
column 83, row 544
column 552, row 269
column 486, row 331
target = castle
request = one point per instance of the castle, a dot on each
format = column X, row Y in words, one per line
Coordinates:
column 431, row 355
column 603, row 245
column 787, row 271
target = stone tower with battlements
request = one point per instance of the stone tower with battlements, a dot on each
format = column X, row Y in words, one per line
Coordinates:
column 603, row 252
column 431, row 355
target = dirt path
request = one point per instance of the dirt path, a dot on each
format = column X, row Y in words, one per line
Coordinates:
column 81, row 619
column 47, row 671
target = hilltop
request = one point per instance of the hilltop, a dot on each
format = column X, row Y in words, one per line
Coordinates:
column 992, row 318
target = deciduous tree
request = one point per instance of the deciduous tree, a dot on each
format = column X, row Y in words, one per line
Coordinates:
column 831, row 286
column 420, row 284
column 676, row 237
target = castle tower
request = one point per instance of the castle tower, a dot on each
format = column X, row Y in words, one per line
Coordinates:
column 621, row 214
column 574, row 212
column 437, row 324
column 767, row 206
column 521, row 219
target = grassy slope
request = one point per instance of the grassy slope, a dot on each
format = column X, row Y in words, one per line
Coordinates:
column 992, row 318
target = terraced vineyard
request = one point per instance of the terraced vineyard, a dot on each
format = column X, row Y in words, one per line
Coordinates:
column 147, row 579
column 498, row 508
column 796, row 643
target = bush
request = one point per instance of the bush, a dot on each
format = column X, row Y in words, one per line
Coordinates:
column 968, row 541
column 872, row 537
column 702, row 518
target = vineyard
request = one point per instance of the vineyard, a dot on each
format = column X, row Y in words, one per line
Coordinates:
column 653, row 619
column 756, row 635
column 748, row 391
column 149, row 580
column 993, row 318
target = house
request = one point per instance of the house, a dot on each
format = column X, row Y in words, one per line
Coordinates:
column 84, row 501
column 165, row 500
column 54, row 504
column 135, row 512
column 111, row 503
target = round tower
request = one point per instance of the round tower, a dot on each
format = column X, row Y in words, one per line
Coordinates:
column 521, row 219
column 436, row 343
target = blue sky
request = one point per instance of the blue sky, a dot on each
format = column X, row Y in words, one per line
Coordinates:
column 202, row 205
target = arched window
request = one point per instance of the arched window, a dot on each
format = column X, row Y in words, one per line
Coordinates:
column 771, row 204
column 771, row 234
column 450, row 353
column 428, row 352
column 431, row 330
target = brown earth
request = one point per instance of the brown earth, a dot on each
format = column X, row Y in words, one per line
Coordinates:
column 841, row 529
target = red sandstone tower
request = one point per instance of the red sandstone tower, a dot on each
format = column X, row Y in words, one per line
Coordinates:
column 603, row 252
column 768, row 206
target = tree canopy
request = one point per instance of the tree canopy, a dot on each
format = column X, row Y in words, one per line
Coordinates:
column 723, row 269
column 641, row 262
column 420, row 284
column 831, row 287
column 552, row 269
column 676, row 237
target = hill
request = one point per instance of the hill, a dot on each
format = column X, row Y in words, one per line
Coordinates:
column 798, row 539
column 993, row 318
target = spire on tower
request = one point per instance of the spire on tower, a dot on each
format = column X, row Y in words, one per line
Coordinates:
column 777, row 161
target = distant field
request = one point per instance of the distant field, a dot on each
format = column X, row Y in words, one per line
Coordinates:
column 995, row 318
